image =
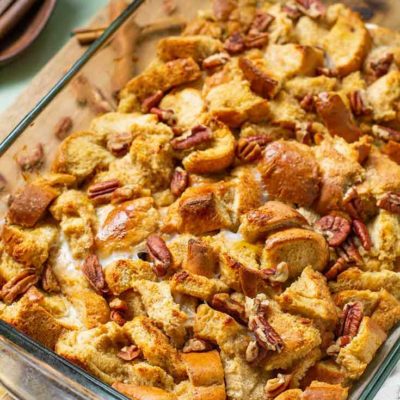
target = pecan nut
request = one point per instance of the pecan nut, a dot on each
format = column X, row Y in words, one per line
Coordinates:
column 94, row 273
column 311, row 8
column 292, row 11
column 102, row 192
column 179, row 181
column 349, row 252
column 351, row 319
column 49, row 281
column 276, row 386
column 358, row 103
column 195, row 345
column 278, row 274
column 256, row 40
column 215, row 60
column 63, row 128
column 18, row 285
column 168, row 117
column 235, row 43
column 385, row 133
column 260, row 83
column 200, row 134
column 224, row 303
column 337, row 268
column 390, row 202
column 334, row 228
column 117, row 317
column 248, row 151
column 265, row 334
column 381, row 67
column 152, row 101
column 160, row 254
column 129, row 353
column 361, row 231
column 307, row 103
column 261, row 22
column 119, row 143
column 30, row 158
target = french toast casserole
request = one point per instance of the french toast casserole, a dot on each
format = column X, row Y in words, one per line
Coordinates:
column 232, row 230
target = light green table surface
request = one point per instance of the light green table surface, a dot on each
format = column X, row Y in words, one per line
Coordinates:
column 69, row 14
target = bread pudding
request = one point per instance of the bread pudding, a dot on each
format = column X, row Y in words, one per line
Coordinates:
column 232, row 230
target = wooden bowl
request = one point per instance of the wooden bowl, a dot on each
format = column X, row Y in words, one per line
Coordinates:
column 27, row 30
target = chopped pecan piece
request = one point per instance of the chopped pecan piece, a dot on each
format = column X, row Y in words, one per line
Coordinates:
column 248, row 150
column 311, row 8
column 117, row 317
column 63, row 128
column 278, row 274
column 358, row 103
column 235, row 43
column 93, row 272
column 102, row 192
column 30, row 158
column 119, row 143
column 152, row 101
column 49, row 281
column 334, row 228
column 351, row 320
column 337, row 117
column 353, row 204
column 349, row 251
column 195, row 345
column 160, row 254
column 329, row 72
column 179, row 182
column 215, row 60
column 292, row 11
column 276, row 386
column 200, row 259
column 252, row 351
column 261, row 22
column 340, row 265
column 392, row 150
column 260, row 82
column 168, row 117
column 307, row 103
column 390, row 202
column 224, row 303
column 361, row 230
column 18, row 285
column 200, row 134
column 118, row 305
column 265, row 334
column 129, row 353
column 256, row 40
column 385, row 133
column 381, row 67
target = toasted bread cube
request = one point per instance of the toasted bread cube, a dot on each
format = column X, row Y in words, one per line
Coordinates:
column 302, row 86
column 325, row 371
column 368, row 299
column 234, row 103
column 30, row 205
column 273, row 215
column 298, row 248
column 197, row 47
column 35, row 321
column 136, row 392
column 309, row 296
column 285, row 110
column 291, row 394
column 127, row 225
column 96, row 351
column 302, row 367
column 30, row 247
column 81, row 154
column 288, row 60
column 160, row 306
column 309, row 32
column 155, row 346
column 9, row 268
column 350, row 31
column 387, row 312
column 197, row 286
column 359, row 352
column 325, row 391
column 162, row 76
column 78, row 221
column 121, row 275
column 383, row 96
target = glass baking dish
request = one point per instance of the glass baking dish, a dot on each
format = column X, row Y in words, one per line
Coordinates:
column 27, row 369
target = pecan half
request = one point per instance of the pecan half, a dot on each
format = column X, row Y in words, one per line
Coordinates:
column 329, row 72
column 256, row 40
column 49, row 281
column 334, row 228
column 265, row 334
column 195, row 345
column 117, row 317
column 349, row 252
column 30, row 158
column 260, row 82
column 93, row 272
column 129, row 353
column 312, row 8
column 118, row 143
column 200, row 259
column 200, row 134
column 353, row 204
column 248, row 151
column 18, row 285
column 168, row 117
column 215, row 60
column 337, row 268
column 102, row 192
column 381, row 67
column 63, row 128
column 152, row 101
column 307, row 103
column 224, row 303
column 235, row 43
column 160, row 254
column 361, row 230
column 385, row 133
column 390, row 202
column 351, row 319
column 292, row 11
column 261, row 22
column 179, row 181
column 358, row 103
column 276, row 386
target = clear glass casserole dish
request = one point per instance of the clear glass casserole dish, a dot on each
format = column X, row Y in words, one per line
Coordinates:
column 30, row 371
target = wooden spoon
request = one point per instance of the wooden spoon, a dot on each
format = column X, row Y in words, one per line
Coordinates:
column 30, row 24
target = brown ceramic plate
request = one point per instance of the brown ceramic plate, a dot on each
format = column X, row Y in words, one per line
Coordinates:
column 27, row 31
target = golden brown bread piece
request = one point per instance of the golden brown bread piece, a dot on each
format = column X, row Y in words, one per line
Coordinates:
column 324, row 391
column 298, row 248
column 292, row 394
column 325, row 371
column 272, row 216
column 136, row 392
column 290, row 172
